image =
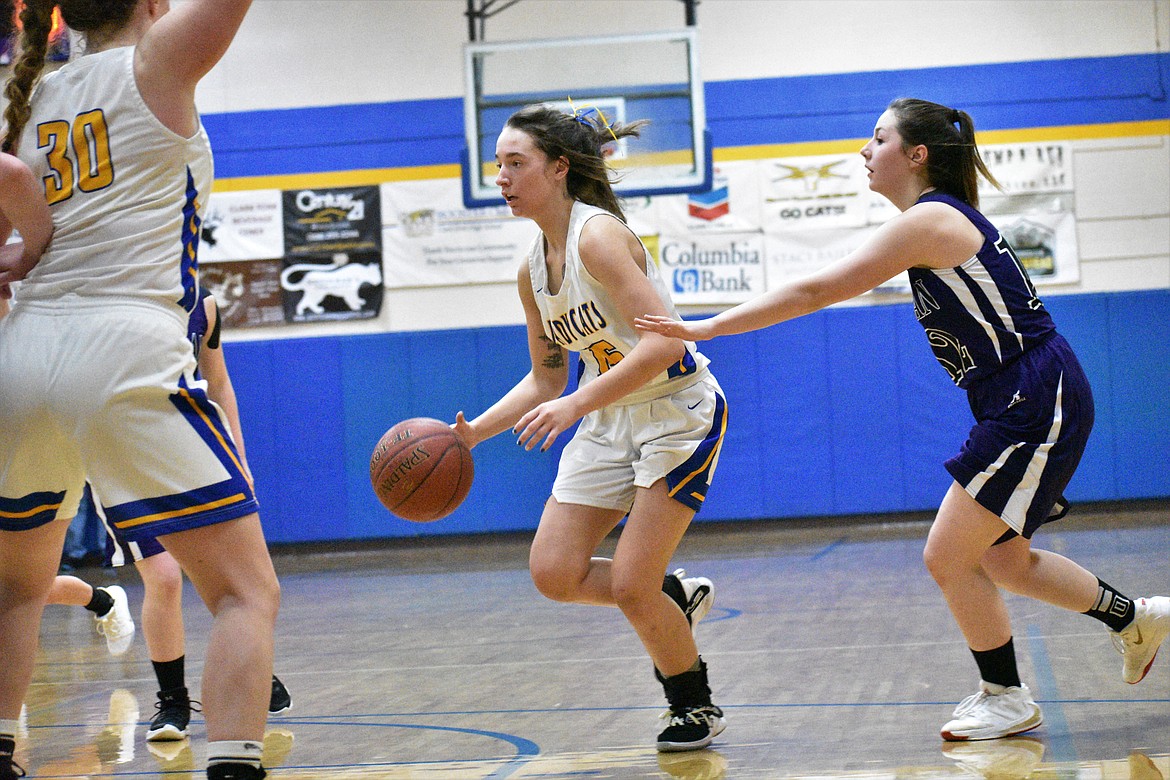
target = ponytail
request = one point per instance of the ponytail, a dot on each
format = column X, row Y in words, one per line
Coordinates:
column 953, row 163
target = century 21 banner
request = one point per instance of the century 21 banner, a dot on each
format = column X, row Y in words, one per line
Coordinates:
column 333, row 254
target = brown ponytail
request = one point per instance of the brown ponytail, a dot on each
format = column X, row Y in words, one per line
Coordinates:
column 953, row 163
column 37, row 19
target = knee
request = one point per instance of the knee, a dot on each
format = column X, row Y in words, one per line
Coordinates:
column 258, row 597
column 1008, row 571
column 938, row 563
column 552, row 579
column 632, row 596
column 268, row 597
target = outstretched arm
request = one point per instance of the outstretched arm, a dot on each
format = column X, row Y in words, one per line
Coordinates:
column 929, row 234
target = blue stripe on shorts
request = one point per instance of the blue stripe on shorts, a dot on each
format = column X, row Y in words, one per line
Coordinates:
column 30, row 511
column 217, row 503
column 688, row 482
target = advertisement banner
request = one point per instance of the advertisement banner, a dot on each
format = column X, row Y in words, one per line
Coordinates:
column 431, row 239
column 1041, row 228
column 242, row 226
column 247, row 293
column 731, row 205
column 1027, row 168
column 326, row 221
column 794, row 254
column 346, row 286
column 825, row 191
column 710, row 268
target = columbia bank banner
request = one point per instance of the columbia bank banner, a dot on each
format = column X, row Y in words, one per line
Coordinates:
column 712, row 267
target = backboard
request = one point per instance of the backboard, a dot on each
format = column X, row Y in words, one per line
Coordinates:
column 651, row 76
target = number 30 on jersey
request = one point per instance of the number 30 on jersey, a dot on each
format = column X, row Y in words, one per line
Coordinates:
column 78, row 155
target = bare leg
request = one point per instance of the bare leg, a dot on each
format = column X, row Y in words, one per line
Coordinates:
column 962, row 533
column 162, row 606
column 561, row 561
column 229, row 565
column 563, row 568
column 28, row 565
column 653, row 531
column 69, row 590
column 1040, row 574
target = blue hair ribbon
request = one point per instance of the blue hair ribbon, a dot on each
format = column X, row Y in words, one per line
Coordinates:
column 580, row 115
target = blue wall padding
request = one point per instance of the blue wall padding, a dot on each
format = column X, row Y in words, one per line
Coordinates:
column 793, row 109
column 842, row 412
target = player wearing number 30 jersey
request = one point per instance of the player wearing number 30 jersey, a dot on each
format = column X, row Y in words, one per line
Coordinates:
column 97, row 376
column 125, row 190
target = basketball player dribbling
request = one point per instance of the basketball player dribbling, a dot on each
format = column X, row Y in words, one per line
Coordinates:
column 652, row 415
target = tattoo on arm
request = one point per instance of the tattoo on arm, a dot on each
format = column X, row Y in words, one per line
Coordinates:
column 555, row 357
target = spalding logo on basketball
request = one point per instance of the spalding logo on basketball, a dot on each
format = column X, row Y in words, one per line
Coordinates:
column 421, row 470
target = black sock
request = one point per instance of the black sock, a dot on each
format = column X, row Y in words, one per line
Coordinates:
column 170, row 674
column 100, row 602
column 998, row 666
column 1112, row 608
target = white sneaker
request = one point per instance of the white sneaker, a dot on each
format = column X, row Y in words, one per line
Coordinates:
column 992, row 713
column 116, row 625
column 700, row 596
column 1138, row 642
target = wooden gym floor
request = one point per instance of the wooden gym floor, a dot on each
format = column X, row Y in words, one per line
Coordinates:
column 830, row 649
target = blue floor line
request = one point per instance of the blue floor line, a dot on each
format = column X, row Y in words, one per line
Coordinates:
column 1061, row 746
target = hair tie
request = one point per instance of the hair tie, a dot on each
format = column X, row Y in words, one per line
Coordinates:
column 955, row 117
column 580, row 116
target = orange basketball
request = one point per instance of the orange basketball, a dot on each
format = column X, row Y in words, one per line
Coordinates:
column 421, row 469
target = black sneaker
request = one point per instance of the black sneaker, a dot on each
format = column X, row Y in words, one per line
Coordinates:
column 693, row 721
column 8, row 767
column 694, row 595
column 235, row 772
column 174, row 713
column 691, row 728
column 280, row 701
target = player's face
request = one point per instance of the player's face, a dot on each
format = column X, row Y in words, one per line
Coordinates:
column 885, row 158
column 527, row 178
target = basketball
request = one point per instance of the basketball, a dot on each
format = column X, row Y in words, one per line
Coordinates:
column 421, row 470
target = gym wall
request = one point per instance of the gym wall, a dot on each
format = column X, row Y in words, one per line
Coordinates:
column 843, row 412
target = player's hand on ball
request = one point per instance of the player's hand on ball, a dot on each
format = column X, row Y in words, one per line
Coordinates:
column 698, row 330
column 464, row 430
column 543, row 424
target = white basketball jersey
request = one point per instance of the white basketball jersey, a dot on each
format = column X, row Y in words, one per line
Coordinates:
column 125, row 191
column 582, row 317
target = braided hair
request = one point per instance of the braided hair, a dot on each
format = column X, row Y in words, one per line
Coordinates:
column 85, row 16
